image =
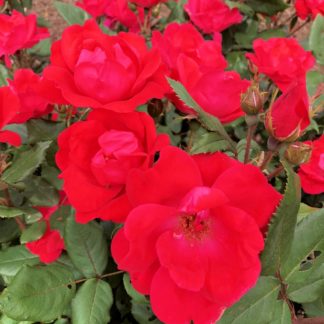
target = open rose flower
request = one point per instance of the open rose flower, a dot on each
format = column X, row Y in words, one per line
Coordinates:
column 28, row 87
column 9, row 109
column 283, row 60
column 96, row 70
column 95, row 8
column 193, row 240
column 306, row 8
column 184, row 40
column 217, row 92
column 312, row 173
column 95, row 157
column 289, row 115
column 212, row 15
column 17, row 32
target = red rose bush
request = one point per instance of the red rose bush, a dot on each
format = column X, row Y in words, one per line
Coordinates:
column 161, row 162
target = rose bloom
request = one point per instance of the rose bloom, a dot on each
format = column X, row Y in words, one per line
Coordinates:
column 96, row 155
column 283, row 60
column 306, row 8
column 312, row 173
column 96, row 70
column 95, row 8
column 289, row 116
column 147, row 3
column 212, row 15
column 193, row 240
column 9, row 109
column 184, row 40
column 27, row 86
column 119, row 11
column 18, row 32
column 217, row 92
column 1, row 2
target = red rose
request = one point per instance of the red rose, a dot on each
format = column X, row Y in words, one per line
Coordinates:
column 312, row 173
column 9, row 108
column 217, row 92
column 1, row 2
column 184, row 40
column 96, row 70
column 95, row 157
column 17, row 32
column 283, row 60
column 95, row 8
column 28, row 88
column 289, row 115
column 190, row 213
column 212, row 15
column 119, row 11
column 305, row 8
column 147, row 3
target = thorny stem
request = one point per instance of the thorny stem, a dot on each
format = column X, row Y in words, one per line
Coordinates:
column 100, row 277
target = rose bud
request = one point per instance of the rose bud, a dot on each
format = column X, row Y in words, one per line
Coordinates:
column 252, row 100
column 289, row 116
column 298, row 153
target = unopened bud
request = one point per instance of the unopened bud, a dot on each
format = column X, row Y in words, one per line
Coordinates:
column 298, row 153
column 252, row 100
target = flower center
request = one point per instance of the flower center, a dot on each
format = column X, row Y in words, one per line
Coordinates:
column 194, row 226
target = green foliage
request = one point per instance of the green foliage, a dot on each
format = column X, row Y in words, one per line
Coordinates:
column 259, row 306
column 33, row 232
column 316, row 39
column 38, row 294
column 71, row 13
column 281, row 231
column 92, row 303
column 26, row 163
column 4, row 75
column 269, row 7
column 86, row 246
column 14, row 258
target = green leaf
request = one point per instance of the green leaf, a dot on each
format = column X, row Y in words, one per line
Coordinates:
column 306, row 284
column 4, row 75
column 6, row 320
column 238, row 62
column 86, row 246
column 43, row 48
column 241, row 147
column 26, row 163
column 269, row 7
column 208, row 143
column 314, row 309
column 282, row 227
column 316, row 39
column 38, row 294
column 304, row 211
column 71, row 13
column 40, row 193
column 247, row 10
column 135, row 295
column 43, row 130
column 9, row 212
column 207, row 120
column 33, row 232
column 13, row 258
column 92, row 303
column 258, row 306
column 282, row 314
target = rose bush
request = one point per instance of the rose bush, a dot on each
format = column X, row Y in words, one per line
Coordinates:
column 161, row 162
